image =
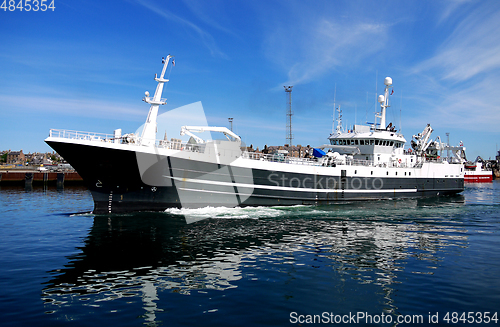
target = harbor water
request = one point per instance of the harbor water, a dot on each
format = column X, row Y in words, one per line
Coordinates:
column 407, row 262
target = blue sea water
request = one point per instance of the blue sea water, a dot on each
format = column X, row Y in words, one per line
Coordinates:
column 424, row 262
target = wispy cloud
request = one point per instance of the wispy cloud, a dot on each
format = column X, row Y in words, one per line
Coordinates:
column 207, row 39
column 73, row 107
column 310, row 52
column 206, row 11
column 465, row 72
column 473, row 48
column 451, row 6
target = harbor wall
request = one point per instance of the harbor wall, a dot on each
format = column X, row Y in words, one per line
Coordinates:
column 27, row 178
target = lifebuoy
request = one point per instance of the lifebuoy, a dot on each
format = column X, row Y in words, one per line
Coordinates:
column 399, row 160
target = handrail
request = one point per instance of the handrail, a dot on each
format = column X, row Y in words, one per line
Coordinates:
column 90, row 136
column 177, row 144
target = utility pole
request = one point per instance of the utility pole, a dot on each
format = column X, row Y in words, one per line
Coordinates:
column 448, row 141
column 289, row 113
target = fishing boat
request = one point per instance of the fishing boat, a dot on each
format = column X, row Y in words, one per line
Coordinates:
column 476, row 173
column 132, row 172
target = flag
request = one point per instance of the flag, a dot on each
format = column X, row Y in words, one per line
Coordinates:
column 392, row 92
column 173, row 62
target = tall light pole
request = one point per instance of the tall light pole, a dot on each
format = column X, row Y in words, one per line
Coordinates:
column 289, row 113
column 448, row 141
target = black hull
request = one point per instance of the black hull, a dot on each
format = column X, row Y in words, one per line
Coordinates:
column 114, row 179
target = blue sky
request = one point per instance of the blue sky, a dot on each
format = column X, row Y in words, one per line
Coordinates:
column 85, row 66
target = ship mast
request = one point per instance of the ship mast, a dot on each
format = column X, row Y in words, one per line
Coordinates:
column 339, row 121
column 148, row 137
column 384, row 102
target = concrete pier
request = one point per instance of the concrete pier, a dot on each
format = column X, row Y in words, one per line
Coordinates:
column 28, row 178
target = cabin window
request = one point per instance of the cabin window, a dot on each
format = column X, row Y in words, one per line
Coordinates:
column 405, row 173
column 391, row 144
column 355, row 142
column 387, row 173
column 361, row 142
column 396, row 173
column 372, row 172
column 409, row 174
column 376, row 142
column 355, row 172
column 348, row 142
column 371, row 142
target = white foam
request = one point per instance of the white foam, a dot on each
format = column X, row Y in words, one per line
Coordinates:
column 229, row 213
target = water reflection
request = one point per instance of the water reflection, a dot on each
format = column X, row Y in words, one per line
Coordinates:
column 139, row 258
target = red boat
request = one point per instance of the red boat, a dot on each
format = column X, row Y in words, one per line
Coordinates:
column 474, row 173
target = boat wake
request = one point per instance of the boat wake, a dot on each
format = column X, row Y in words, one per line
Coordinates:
column 234, row 213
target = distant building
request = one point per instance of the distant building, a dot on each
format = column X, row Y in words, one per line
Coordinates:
column 16, row 158
column 297, row 151
column 37, row 159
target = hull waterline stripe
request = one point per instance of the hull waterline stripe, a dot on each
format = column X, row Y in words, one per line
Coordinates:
column 284, row 188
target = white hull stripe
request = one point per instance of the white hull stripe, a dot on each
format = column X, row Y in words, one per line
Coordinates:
column 284, row 188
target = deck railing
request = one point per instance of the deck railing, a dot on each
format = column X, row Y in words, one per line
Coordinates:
column 177, row 144
column 77, row 135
